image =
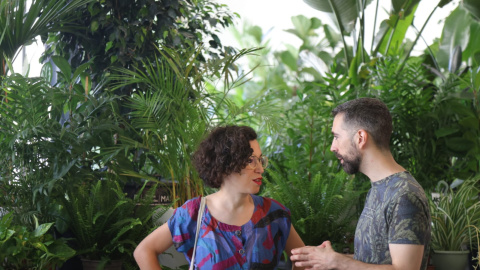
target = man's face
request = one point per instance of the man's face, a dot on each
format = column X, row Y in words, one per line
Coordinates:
column 343, row 146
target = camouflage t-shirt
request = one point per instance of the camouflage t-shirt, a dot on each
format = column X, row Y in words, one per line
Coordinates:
column 396, row 212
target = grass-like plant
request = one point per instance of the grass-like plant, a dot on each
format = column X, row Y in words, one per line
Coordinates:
column 454, row 216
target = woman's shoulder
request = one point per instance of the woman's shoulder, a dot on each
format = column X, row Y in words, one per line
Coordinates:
column 268, row 211
column 270, row 203
column 190, row 206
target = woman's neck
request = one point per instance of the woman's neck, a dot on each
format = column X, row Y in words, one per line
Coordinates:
column 231, row 208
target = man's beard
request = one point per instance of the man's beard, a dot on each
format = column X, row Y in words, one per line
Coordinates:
column 351, row 163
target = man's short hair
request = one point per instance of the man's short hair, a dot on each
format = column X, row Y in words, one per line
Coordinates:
column 369, row 114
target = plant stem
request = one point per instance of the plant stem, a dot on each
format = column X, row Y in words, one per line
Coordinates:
column 404, row 60
column 361, row 36
column 342, row 31
column 391, row 36
column 374, row 25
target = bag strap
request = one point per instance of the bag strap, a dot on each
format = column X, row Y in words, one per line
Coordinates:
column 199, row 223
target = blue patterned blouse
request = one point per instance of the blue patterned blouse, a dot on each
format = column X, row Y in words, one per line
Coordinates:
column 258, row 244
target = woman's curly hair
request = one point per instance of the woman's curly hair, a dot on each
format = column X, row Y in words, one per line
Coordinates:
column 226, row 150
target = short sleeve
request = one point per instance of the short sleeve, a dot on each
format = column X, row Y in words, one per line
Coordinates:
column 409, row 223
column 183, row 224
column 276, row 214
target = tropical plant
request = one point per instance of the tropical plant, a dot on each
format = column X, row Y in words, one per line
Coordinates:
column 22, row 21
column 170, row 111
column 350, row 18
column 106, row 224
column 324, row 208
column 453, row 216
column 50, row 139
column 460, row 34
column 121, row 34
column 305, row 176
column 23, row 248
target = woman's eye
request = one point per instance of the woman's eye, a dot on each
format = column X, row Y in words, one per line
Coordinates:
column 250, row 160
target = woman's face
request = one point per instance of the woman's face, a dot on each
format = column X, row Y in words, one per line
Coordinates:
column 248, row 180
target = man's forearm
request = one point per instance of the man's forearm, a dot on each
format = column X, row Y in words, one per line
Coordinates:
column 346, row 262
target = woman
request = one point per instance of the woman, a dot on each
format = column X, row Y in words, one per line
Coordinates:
column 239, row 230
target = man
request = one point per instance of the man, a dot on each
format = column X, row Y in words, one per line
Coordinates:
column 393, row 231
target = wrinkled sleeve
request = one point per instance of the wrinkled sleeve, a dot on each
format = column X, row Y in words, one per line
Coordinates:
column 410, row 221
column 183, row 224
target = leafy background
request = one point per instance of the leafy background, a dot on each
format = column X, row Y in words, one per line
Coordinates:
column 127, row 92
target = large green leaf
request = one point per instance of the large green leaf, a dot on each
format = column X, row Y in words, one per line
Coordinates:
column 444, row 2
column 396, row 27
column 289, row 59
column 456, row 32
column 473, row 6
column 404, row 6
column 473, row 46
column 344, row 12
column 302, row 26
column 42, row 229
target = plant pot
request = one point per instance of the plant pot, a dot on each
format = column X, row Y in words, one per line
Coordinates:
column 93, row 264
column 450, row 260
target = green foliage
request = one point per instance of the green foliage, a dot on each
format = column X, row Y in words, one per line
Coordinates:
column 22, row 21
column 303, row 144
column 453, row 35
column 409, row 98
column 324, row 208
column 51, row 137
column 106, row 224
column 168, row 118
column 305, row 176
column 454, row 216
column 23, row 248
column 170, row 112
column 389, row 39
column 123, row 33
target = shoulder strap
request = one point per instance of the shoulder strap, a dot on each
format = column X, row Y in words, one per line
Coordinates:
column 199, row 223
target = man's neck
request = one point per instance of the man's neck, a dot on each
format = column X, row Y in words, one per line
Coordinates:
column 378, row 165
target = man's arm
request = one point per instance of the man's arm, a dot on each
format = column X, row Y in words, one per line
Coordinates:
column 404, row 257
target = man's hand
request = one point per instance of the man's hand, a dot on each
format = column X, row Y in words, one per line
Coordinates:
column 320, row 257
column 404, row 257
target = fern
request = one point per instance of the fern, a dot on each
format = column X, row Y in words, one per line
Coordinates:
column 324, row 208
column 106, row 224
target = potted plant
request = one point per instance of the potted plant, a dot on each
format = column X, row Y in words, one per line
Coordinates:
column 455, row 215
column 106, row 224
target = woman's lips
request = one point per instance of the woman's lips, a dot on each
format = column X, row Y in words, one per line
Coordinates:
column 258, row 181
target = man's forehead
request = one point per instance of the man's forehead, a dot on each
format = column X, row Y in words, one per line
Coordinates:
column 339, row 124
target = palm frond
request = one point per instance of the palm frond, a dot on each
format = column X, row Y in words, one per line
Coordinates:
column 21, row 21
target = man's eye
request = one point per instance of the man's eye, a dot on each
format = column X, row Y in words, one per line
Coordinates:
column 250, row 160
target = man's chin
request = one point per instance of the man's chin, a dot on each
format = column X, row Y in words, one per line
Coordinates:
column 349, row 170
